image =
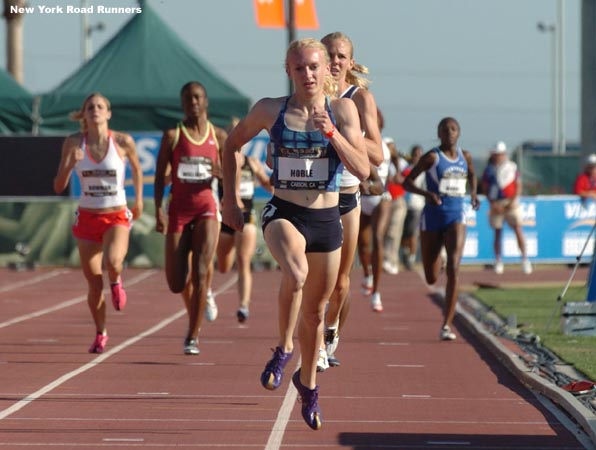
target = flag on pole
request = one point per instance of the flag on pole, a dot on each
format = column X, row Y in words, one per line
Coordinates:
column 306, row 15
column 271, row 14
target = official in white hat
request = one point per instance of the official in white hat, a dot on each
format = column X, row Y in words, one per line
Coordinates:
column 501, row 183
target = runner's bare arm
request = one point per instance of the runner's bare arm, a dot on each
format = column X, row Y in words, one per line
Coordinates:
column 260, row 117
column 367, row 109
column 260, row 174
column 161, row 170
column 127, row 144
column 348, row 141
column 71, row 154
column 472, row 181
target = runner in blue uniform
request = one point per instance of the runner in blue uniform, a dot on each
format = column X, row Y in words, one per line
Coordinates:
column 443, row 223
column 313, row 137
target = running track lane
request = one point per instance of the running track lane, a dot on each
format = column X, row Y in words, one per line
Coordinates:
column 398, row 387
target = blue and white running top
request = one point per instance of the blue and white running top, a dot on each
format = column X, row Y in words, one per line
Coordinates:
column 448, row 178
column 303, row 159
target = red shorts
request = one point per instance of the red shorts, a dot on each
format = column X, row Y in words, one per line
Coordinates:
column 182, row 213
column 92, row 226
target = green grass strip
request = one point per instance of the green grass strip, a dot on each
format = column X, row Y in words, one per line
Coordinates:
column 533, row 308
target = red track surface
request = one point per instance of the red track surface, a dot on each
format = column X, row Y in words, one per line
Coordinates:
column 398, row 387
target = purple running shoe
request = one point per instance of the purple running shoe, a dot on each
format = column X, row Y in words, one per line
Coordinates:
column 311, row 413
column 274, row 370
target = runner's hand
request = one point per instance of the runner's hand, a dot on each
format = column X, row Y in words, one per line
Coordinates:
column 475, row 203
column 160, row 221
column 232, row 216
column 321, row 120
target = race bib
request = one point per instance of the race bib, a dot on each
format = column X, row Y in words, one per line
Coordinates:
column 296, row 169
column 99, row 183
column 247, row 189
column 453, row 187
column 194, row 169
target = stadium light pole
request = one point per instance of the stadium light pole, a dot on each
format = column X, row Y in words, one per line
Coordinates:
column 291, row 24
column 552, row 29
column 561, row 68
column 86, row 31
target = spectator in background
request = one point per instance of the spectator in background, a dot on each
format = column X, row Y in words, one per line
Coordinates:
column 397, row 214
column 585, row 183
column 414, row 203
column 502, row 186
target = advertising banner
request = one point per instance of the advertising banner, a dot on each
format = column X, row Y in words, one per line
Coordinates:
column 555, row 228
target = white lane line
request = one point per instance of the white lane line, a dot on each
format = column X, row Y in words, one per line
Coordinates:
column 64, row 378
column 393, row 398
column 416, row 396
column 516, row 424
column 228, row 284
column 29, row 281
column 283, row 416
column 123, row 440
column 406, row 366
column 43, row 312
column 49, row 387
column 67, row 303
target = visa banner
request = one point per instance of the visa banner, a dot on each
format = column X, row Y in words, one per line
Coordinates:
column 557, row 229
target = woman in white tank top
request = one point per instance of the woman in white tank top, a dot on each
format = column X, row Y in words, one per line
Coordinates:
column 103, row 221
column 346, row 72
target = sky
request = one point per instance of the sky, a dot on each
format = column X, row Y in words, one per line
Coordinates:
column 483, row 62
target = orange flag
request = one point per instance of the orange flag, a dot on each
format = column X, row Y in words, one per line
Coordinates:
column 270, row 13
column 306, row 15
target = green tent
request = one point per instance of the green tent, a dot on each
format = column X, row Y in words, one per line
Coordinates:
column 15, row 106
column 141, row 70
